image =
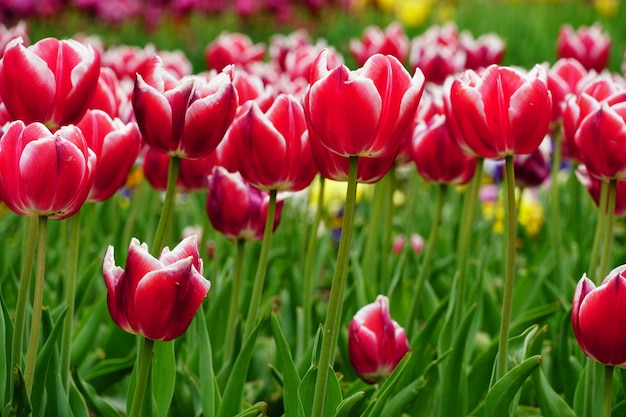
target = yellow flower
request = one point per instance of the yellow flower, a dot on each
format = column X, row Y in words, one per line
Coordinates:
column 606, row 8
column 413, row 13
column 530, row 215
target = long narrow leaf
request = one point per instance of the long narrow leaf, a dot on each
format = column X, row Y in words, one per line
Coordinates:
column 291, row 378
column 501, row 395
column 163, row 376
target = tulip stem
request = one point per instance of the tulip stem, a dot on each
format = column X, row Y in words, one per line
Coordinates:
column 390, row 187
column 35, row 324
column 465, row 235
column 231, row 328
column 555, row 221
column 22, row 298
column 333, row 315
column 70, row 295
column 593, row 259
column 309, row 288
column 259, row 278
column 168, row 204
column 509, row 277
column 432, row 239
column 144, row 360
column 608, row 390
column 608, row 233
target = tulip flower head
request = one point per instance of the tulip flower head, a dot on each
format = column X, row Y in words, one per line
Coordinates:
column 44, row 173
column 155, row 297
column 376, row 343
column 590, row 45
column 598, row 315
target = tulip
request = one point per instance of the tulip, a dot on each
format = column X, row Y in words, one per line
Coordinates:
column 280, row 45
column 174, row 279
column 438, row 53
column 43, row 173
column 564, row 78
column 192, row 175
column 533, row 169
column 111, row 97
column 366, row 112
column 236, row 209
column 593, row 186
column 184, row 118
column 500, row 113
column 232, row 48
column 590, row 45
column 392, row 41
column 376, row 342
column 51, row 82
column 486, row 50
column 7, row 34
column 116, row 145
column 277, row 155
column 598, row 314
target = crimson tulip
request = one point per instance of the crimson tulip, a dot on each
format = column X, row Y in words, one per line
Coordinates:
column 44, row 173
column 564, row 77
column 111, row 97
column 185, row 118
column 232, row 48
column 438, row 53
column 487, row 49
column 598, row 315
column 376, row 342
column 280, row 45
column 192, row 174
column 155, row 297
column 500, row 112
column 366, row 112
column 391, row 41
column 594, row 185
column 116, row 145
column 533, row 169
column 52, row 81
column 270, row 149
column 590, row 45
column 236, row 209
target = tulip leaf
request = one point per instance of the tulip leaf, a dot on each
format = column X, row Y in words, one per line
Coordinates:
column 88, row 329
column 20, row 404
column 343, row 409
column 99, row 406
column 5, row 357
column 163, row 376
column 207, row 377
column 380, row 398
column 291, row 378
column 501, row 395
column 306, row 392
column 550, row 403
column 78, row 405
column 233, row 391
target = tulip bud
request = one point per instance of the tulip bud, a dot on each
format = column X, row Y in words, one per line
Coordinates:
column 598, row 315
column 376, row 343
column 155, row 297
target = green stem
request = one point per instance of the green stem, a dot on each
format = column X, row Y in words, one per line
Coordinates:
column 608, row 385
column 309, row 287
column 70, row 295
column 333, row 315
column 144, row 360
column 600, row 225
column 22, row 297
column 555, row 210
column 432, row 239
column 509, row 277
column 35, row 324
column 390, row 188
column 465, row 237
column 371, row 254
column 168, row 204
column 259, row 278
column 231, row 327
column 608, row 233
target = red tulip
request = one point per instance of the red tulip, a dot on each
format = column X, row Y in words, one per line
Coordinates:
column 186, row 118
column 594, row 186
column 51, row 82
column 116, row 145
column 500, row 112
column 236, row 209
column 270, row 149
column 590, row 45
column 44, row 173
column 155, row 298
column 232, row 48
column 438, row 53
column 598, row 315
column 111, row 97
column 533, row 169
column 487, row 49
column 439, row 159
column 564, row 78
column 366, row 112
column 391, row 41
column 192, row 175
column 280, row 45
column 376, row 343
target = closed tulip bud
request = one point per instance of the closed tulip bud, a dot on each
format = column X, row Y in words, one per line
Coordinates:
column 376, row 343
column 598, row 315
column 155, row 297
column 185, row 118
column 52, row 81
column 44, row 173
column 501, row 112
column 116, row 145
column 366, row 112
column 236, row 209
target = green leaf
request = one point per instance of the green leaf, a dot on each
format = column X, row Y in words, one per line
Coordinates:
column 20, row 404
column 163, row 376
column 5, row 357
column 380, row 398
column 306, row 392
column 233, row 392
column 343, row 409
column 255, row 410
column 503, row 392
column 206, row 374
column 291, row 378
column 78, row 406
column 550, row 403
column 87, row 330
column 96, row 404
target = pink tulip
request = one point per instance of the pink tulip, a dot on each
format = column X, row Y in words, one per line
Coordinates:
column 590, row 45
column 391, row 41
